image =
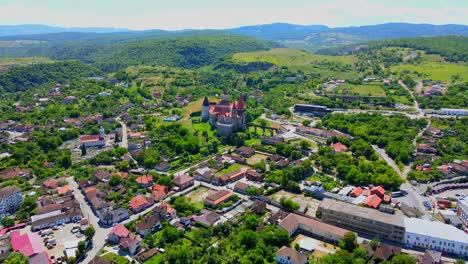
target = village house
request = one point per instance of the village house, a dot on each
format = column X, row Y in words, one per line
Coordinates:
column 15, row 172
column 144, row 181
column 286, row 255
column 339, row 147
column 272, row 140
column 103, row 176
column 252, row 175
column 232, row 176
column 258, row 207
column 139, row 203
column 204, row 174
column 110, row 216
column 117, row 233
column 245, row 152
column 216, row 198
column 207, row 217
column 241, row 187
column 382, row 252
column 130, row 244
column 164, row 212
column 183, row 181
column 163, row 166
column 149, row 224
column 159, row 192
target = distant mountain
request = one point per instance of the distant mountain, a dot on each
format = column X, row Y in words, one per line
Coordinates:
column 279, row 31
column 43, row 29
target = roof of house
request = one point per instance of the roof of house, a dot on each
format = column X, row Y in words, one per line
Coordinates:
column 41, row 258
column 9, row 190
column 379, row 190
column 356, row 192
column 182, row 179
column 339, row 147
column 241, row 186
column 164, row 208
column 130, row 241
column 13, row 172
column 102, row 175
column 245, row 150
column 120, row 231
column 138, row 201
column 282, row 163
column 218, row 197
column 99, row 260
column 208, row 217
column 64, row 190
column 292, row 221
column 148, row 222
column 372, row 201
column 28, row 244
column 382, row 251
column 50, row 183
column 430, row 257
column 292, row 255
column 144, row 180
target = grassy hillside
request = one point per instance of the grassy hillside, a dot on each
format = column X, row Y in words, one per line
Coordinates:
column 187, row 52
column 298, row 60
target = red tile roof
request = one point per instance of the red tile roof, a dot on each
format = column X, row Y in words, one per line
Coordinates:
column 64, row 190
column 144, row 180
column 138, row 202
column 372, row 201
column 356, row 192
column 379, row 190
column 120, row 231
column 339, row 147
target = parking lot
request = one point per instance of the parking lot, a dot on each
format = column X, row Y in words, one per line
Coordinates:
column 62, row 235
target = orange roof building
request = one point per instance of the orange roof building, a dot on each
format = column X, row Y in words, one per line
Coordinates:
column 379, row 191
column 372, row 201
column 218, row 197
column 339, row 147
column 145, row 180
column 139, row 203
column 356, row 192
column 64, row 190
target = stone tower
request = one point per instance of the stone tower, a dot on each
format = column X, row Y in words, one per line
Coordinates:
column 205, row 112
column 241, row 111
column 101, row 133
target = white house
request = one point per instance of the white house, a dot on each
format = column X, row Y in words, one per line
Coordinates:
column 435, row 235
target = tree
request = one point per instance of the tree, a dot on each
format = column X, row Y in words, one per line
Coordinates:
column 403, row 259
column 81, row 247
column 7, row 222
column 16, row 258
column 289, row 204
column 304, row 145
column 89, row 232
column 115, row 180
column 306, row 122
column 460, row 261
column 348, row 242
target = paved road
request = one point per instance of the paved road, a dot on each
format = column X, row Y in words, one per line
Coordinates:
column 99, row 239
column 124, row 139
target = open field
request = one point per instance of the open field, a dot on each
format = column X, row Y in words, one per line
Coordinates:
column 23, row 61
column 435, row 71
column 363, row 89
column 297, row 60
column 305, row 203
column 230, row 169
column 256, row 158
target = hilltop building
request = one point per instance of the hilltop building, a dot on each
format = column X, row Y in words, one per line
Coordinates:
column 227, row 117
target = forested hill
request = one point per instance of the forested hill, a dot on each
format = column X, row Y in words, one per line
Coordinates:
column 187, row 52
column 452, row 48
column 23, row 78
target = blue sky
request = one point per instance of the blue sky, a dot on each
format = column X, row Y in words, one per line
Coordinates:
column 180, row 14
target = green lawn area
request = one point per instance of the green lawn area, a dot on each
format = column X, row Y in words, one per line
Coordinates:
column 205, row 126
column 116, row 258
column 402, row 100
column 362, row 90
column 296, row 60
column 156, row 259
column 23, row 61
column 231, row 168
column 435, row 71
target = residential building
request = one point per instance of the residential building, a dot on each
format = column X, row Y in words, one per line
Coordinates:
column 435, row 235
column 225, row 116
column 144, row 181
column 52, row 212
column 207, row 217
column 339, row 147
column 110, row 216
column 149, row 224
column 130, row 244
column 274, row 140
column 258, row 207
column 245, row 151
column 286, row 255
column 232, row 176
column 294, row 223
column 252, row 175
column 163, row 166
column 183, row 181
column 139, row 203
column 241, row 187
column 164, row 211
column 430, row 257
column 363, row 220
column 159, row 192
column 29, row 244
column 103, row 176
column 216, row 198
column 117, row 233
column 10, row 199
column 15, row 172
column 382, row 252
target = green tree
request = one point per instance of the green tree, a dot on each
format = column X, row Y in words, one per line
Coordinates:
column 7, row 221
column 348, row 242
column 81, row 247
column 115, row 180
column 89, row 232
column 403, row 259
column 16, row 258
column 306, row 122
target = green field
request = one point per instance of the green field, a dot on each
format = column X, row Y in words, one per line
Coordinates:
column 434, row 71
column 23, row 61
column 297, row 60
column 362, row 90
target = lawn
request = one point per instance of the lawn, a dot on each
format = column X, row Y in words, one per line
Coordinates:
column 256, row 158
column 362, row 90
column 205, row 126
column 115, row 258
column 435, row 71
column 230, row 169
column 297, row 60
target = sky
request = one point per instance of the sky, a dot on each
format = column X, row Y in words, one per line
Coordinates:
column 216, row 14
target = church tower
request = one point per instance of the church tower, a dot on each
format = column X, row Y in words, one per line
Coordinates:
column 241, row 111
column 101, row 133
column 205, row 112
